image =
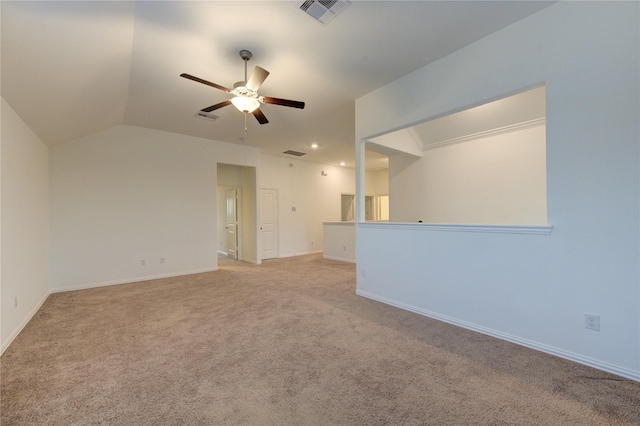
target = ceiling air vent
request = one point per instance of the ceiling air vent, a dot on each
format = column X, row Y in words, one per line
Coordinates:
column 296, row 153
column 323, row 10
column 206, row 116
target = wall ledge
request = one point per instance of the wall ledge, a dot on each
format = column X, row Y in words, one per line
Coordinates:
column 500, row 229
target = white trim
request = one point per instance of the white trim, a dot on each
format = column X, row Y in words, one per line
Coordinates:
column 609, row 368
column 500, row 130
column 22, row 325
column 343, row 223
column 299, row 254
column 253, row 261
column 341, row 259
column 129, row 280
column 501, row 229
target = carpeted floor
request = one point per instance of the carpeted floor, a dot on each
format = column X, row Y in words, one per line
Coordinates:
column 283, row 343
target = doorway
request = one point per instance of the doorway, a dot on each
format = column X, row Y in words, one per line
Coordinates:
column 229, row 223
column 237, row 212
column 376, row 207
column 231, row 226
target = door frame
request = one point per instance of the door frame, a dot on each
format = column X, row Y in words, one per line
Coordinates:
column 221, row 211
column 237, row 221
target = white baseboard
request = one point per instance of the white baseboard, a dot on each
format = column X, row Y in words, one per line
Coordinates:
column 580, row 359
column 341, row 259
column 244, row 259
column 22, row 325
column 300, row 254
column 130, row 280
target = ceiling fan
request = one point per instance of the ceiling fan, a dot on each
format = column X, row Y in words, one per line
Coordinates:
column 245, row 92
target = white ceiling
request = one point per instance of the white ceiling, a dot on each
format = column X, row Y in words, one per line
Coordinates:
column 515, row 109
column 70, row 69
column 520, row 109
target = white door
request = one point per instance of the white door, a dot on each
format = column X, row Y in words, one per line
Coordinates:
column 269, row 222
column 232, row 223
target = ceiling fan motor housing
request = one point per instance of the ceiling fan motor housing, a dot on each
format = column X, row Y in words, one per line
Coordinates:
column 239, row 89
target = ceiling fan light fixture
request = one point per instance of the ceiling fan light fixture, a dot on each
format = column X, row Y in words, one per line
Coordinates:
column 245, row 104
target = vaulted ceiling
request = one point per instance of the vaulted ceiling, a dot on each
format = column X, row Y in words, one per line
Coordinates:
column 70, row 69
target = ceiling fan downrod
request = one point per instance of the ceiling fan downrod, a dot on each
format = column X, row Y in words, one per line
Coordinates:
column 246, row 56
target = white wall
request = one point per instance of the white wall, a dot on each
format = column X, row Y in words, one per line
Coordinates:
column 492, row 179
column 532, row 289
column 24, row 224
column 127, row 195
column 378, row 182
column 250, row 222
column 340, row 241
column 315, row 197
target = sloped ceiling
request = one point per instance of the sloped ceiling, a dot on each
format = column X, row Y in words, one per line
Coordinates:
column 524, row 108
column 74, row 68
column 66, row 65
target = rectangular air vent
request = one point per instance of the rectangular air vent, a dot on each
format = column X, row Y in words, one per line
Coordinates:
column 296, row 153
column 323, row 10
column 206, row 116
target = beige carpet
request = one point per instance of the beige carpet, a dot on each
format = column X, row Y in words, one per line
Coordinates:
column 284, row 343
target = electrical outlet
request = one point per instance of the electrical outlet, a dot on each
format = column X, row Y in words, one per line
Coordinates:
column 363, row 273
column 143, row 262
column 592, row 322
column 162, row 260
column 15, row 301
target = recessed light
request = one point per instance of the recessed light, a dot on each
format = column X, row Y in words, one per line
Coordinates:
column 314, row 145
column 342, row 163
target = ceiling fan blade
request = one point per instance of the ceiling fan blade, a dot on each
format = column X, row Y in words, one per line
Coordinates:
column 259, row 115
column 208, row 83
column 258, row 76
column 216, row 106
column 283, row 102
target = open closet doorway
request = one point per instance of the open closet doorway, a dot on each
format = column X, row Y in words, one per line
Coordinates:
column 231, row 228
column 236, row 212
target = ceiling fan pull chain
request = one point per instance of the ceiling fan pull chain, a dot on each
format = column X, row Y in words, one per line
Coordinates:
column 245, row 137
